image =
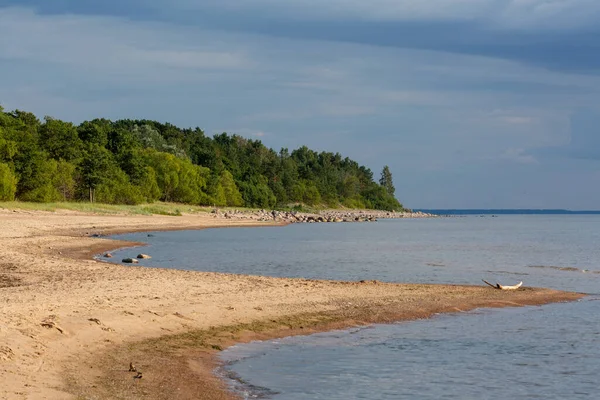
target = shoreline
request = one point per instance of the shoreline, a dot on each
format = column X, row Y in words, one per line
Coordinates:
column 102, row 315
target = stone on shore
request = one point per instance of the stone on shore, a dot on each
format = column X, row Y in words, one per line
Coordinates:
column 325, row 216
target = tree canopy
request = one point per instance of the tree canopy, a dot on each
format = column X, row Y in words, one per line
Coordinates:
column 135, row 161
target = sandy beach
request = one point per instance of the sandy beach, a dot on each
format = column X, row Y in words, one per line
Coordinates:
column 70, row 325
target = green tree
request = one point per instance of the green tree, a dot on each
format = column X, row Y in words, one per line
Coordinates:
column 233, row 197
column 8, row 148
column 148, row 185
column 117, row 189
column 8, row 183
column 192, row 182
column 95, row 132
column 179, row 180
column 34, row 172
column 218, row 197
column 60, row 139
column 56, row 182
column 149, row 137
column 95, row 167
column 63, row 179
column 386, row 181
column 132, row 162
column 256, row 193
column 311, row 195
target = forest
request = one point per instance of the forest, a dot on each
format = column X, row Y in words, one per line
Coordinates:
column 143, row 161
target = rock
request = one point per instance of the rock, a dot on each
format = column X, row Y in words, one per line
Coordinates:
column 108, row 255
column 143, row 256
column 130, row 261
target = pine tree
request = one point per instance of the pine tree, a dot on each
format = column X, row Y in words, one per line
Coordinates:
column 386, row 181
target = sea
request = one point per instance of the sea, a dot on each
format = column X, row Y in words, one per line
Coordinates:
column 541, row 352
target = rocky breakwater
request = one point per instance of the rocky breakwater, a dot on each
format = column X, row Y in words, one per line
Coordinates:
column 322, row 216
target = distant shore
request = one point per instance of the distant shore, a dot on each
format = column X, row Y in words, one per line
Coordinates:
column 508, row 211
column 71, row 325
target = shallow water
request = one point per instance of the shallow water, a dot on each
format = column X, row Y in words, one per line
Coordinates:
column 496, row 354
column 549, row 352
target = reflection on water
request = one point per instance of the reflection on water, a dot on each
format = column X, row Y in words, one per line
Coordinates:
column 549, row 352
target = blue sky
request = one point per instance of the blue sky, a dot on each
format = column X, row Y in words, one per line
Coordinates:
column 472, row 103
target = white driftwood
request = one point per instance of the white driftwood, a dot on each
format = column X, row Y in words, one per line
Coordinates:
column 504, row 287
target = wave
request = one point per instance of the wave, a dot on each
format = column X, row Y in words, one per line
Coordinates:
column 568, row 269
column 508, row 272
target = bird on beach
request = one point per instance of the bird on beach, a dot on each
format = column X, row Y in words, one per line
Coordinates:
column 132, row 367
column 138, row 376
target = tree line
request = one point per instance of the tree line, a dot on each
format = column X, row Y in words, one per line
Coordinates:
column 139, row 161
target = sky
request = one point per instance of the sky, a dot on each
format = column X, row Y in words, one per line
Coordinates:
column 472, row 103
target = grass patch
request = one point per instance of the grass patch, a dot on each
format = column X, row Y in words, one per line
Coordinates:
column 159, row 208
column 213, row 337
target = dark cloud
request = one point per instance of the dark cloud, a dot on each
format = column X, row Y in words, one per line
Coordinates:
column 576, row 48
column 568, row 51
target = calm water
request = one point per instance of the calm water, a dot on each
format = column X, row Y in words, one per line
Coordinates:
column 549, row 352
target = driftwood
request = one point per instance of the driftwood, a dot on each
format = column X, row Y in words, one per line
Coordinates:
column 504, row 287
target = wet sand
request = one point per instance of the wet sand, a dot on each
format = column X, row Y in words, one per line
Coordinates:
column 70, row 326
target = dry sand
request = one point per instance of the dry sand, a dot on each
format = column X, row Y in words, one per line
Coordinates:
column 69, row 325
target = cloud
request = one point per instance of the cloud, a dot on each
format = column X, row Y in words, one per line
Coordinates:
column 515, row 120
column 529, row 31
column 494, row 14
column 108, row 44
column 532, row 31
column 511, row 117
column 498, row 14
column 548, row 14
column 344, row 9
column 519, row 155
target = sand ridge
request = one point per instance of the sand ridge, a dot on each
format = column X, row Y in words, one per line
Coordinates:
column 69, row 325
